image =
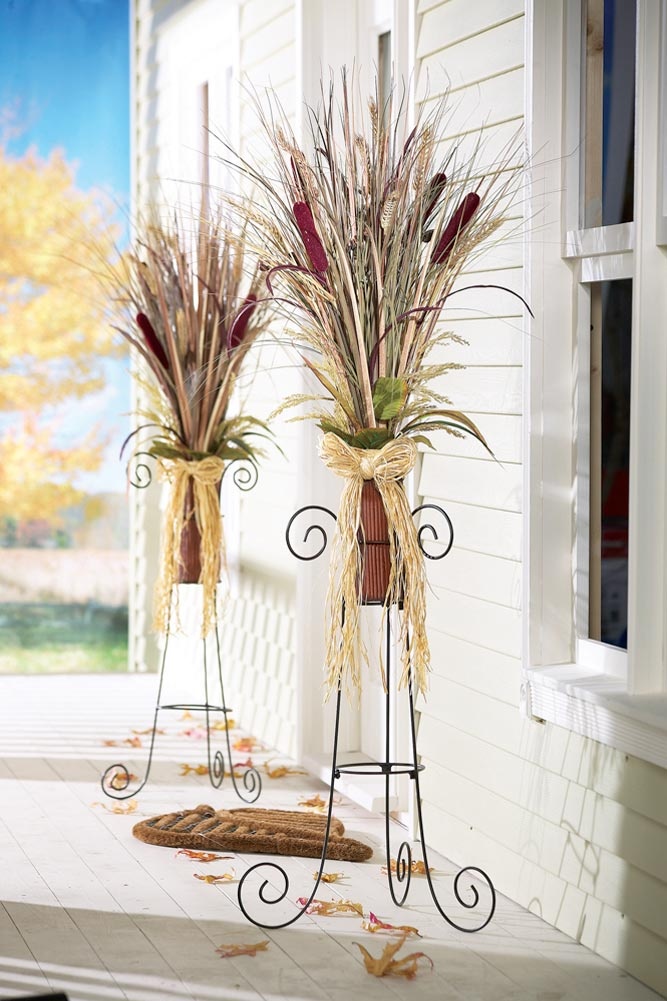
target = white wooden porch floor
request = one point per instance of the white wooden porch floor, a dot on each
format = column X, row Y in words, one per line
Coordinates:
column 87, row 909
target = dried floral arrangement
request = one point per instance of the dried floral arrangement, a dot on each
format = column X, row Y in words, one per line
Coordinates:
column 192, row 310
column 361, row 241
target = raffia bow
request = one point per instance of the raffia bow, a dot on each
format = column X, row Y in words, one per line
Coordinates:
column 205, row 475
column 387, row 466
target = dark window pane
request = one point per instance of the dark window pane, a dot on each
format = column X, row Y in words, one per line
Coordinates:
column 610, row 460
column 610, row 111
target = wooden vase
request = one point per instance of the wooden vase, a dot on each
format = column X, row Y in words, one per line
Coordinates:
column 373, row 539
column 189, row 570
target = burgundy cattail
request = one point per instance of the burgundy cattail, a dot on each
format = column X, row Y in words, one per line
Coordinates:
column 151, row 339
column 458, row 222
column 436, row 186
column 238, row 327
column 311, row 241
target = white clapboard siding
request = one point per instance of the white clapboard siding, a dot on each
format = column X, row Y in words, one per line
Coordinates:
column 495, row 627
column 483, row 389
column 467, row 290
column 496, row 144
column 448, row 25
column 495, row 674
column 488, row 341
column 539, row 752
column 479, row 575
column 482, row 529
column 261, row 43
column 488, row 54
column 548, row 796
column 472, row 481
column 481, row 715
column 611, row 933
column 556, row 849
column 501, row 431
column 477, row 103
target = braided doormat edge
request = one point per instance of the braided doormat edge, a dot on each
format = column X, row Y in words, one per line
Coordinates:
column 274, row 832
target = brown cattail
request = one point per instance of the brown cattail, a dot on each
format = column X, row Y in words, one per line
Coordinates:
column 151, row 339
column 458, row 222
column 309, row 235
column 436, row 186
column 238, row 327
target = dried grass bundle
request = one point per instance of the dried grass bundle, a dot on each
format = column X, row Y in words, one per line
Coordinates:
column 192, row 312
column 365, row 239
column 361, row 240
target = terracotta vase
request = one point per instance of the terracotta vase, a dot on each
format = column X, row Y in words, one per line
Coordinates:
column 190, row 566
column 373, row 539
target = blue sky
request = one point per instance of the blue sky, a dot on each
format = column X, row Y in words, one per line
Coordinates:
column 64, row 69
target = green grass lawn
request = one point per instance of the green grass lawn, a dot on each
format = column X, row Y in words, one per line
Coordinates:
column 62, row 639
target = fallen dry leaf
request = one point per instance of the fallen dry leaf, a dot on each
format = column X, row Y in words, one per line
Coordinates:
column 195, row 732
column 194, row 769
column 417, row 867
column 315, row 803
column 325, row 908
column 186, row 715
column 120, row 781
column 109, row 743
column 225, row 877
column 149, row 729
column 329, row 877
column 280, row 771
column 133, row 742
column 225, row 951
column 241, row 766
column 385, row 965
column 374, row 924
column 129, row 807
column 248, row 744
column 201, row 856
column 224, row 724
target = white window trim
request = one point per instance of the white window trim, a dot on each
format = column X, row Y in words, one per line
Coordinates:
column 582, row 685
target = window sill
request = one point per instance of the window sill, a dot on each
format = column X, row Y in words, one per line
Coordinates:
column 598, row 706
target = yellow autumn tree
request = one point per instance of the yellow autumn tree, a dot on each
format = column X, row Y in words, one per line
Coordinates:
column 54, row 239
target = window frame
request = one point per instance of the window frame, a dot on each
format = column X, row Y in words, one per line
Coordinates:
column 582, row 684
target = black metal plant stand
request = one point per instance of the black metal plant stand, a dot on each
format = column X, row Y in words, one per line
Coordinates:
column 116, row 779
column 469, row 897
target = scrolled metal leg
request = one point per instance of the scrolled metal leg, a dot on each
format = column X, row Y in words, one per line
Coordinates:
column 403, row 870
column 276, row 896
column 116, row 778
column 470, row 870
column 404, row 856
column 252, row 780
column 216, row 764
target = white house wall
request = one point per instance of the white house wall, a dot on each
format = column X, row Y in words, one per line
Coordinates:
column 571, row 829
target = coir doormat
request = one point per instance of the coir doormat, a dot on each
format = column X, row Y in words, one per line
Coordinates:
column 273, row 832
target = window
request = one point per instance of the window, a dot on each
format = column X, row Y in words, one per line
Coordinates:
column 597, row 452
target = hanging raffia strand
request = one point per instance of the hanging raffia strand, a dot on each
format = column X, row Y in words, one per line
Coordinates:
column 387, row 466
column 205, row 475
